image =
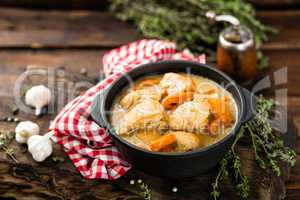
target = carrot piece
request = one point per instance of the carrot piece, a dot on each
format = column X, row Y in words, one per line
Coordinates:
column 164, row 93
column 219, row 107
column 146, row 83
column 172, row 101
column 216, row 127
column 226, row 118
column 222, row 114
column 215, row 105
column 162, row 142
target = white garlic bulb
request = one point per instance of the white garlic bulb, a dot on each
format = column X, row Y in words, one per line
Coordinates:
column 38, row 97
column 40, row 146
column 26, row 129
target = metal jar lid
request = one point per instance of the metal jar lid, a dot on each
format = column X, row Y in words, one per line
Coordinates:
column 236, row 38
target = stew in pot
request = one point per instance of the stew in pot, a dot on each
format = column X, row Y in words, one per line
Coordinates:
column 173, row 112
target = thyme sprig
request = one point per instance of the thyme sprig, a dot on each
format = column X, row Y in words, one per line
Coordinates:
column 5, row 140
column 231, row 165
column 144, row 188
column 185, row 22
column 57, row 159
column 268, row 149
column 146, row 191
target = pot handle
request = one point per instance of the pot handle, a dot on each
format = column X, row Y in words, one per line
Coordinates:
column 96, row 109
column 250, row 104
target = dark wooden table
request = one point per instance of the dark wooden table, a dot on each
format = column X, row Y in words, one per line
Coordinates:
column 71, row 40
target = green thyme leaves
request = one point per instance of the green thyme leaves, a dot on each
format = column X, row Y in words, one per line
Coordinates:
column 268, row 149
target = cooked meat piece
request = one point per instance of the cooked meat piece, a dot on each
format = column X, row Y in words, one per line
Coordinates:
column 204, row 98
column 186, row 141
column 175, row 83
column 148, row 136
column 190, row 116
column 146, row 83
column 206, row 87
column 136, row 96
column 147, row 114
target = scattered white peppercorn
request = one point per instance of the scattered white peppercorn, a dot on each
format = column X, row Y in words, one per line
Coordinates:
column 9, row 119
column 83, row 71
column 174, row 189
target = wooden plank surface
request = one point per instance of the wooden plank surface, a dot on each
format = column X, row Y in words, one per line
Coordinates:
column 61, row 181
column 13, row 62
column 286, row 22
column 96, row 5
column 62, row 29
column 73, row 40
column 65, row 29
column 277, row 4
column 289, row 59
column 57, row 4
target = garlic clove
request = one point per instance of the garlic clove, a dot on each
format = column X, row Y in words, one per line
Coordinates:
column 40, row 147
column 26, row 129
column 38, row 97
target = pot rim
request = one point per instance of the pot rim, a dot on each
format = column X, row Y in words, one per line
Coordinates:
column 203, row 150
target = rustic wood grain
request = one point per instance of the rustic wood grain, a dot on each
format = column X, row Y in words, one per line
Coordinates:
column 72, row 40
column 286, row 22
column 279, row 4
column 57, row 4
column 40, row 181
column 29, row 180
column 96, row 5
column 62, row 29
column 92, row 29
column 13, row 63
column 289, row 59
column 23, row 181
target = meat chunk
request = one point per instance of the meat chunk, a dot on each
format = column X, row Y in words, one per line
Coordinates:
column 206, row 89
column 136, row 141
column 148, row 136
column 147, row 114
column 186, row 141
column 173, row 140
column 205, row 86
column 190, row 116
column 134, row 97
column 146, row 83
column 174, row 83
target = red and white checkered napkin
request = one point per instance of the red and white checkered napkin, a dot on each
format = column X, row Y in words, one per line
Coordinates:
column 87, row 144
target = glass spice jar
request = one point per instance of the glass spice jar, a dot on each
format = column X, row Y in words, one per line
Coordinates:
column 236, row 53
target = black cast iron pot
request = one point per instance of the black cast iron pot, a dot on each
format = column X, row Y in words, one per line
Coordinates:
column 172, row 165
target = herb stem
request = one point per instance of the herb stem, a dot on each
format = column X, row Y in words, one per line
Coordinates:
column 268, row 148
